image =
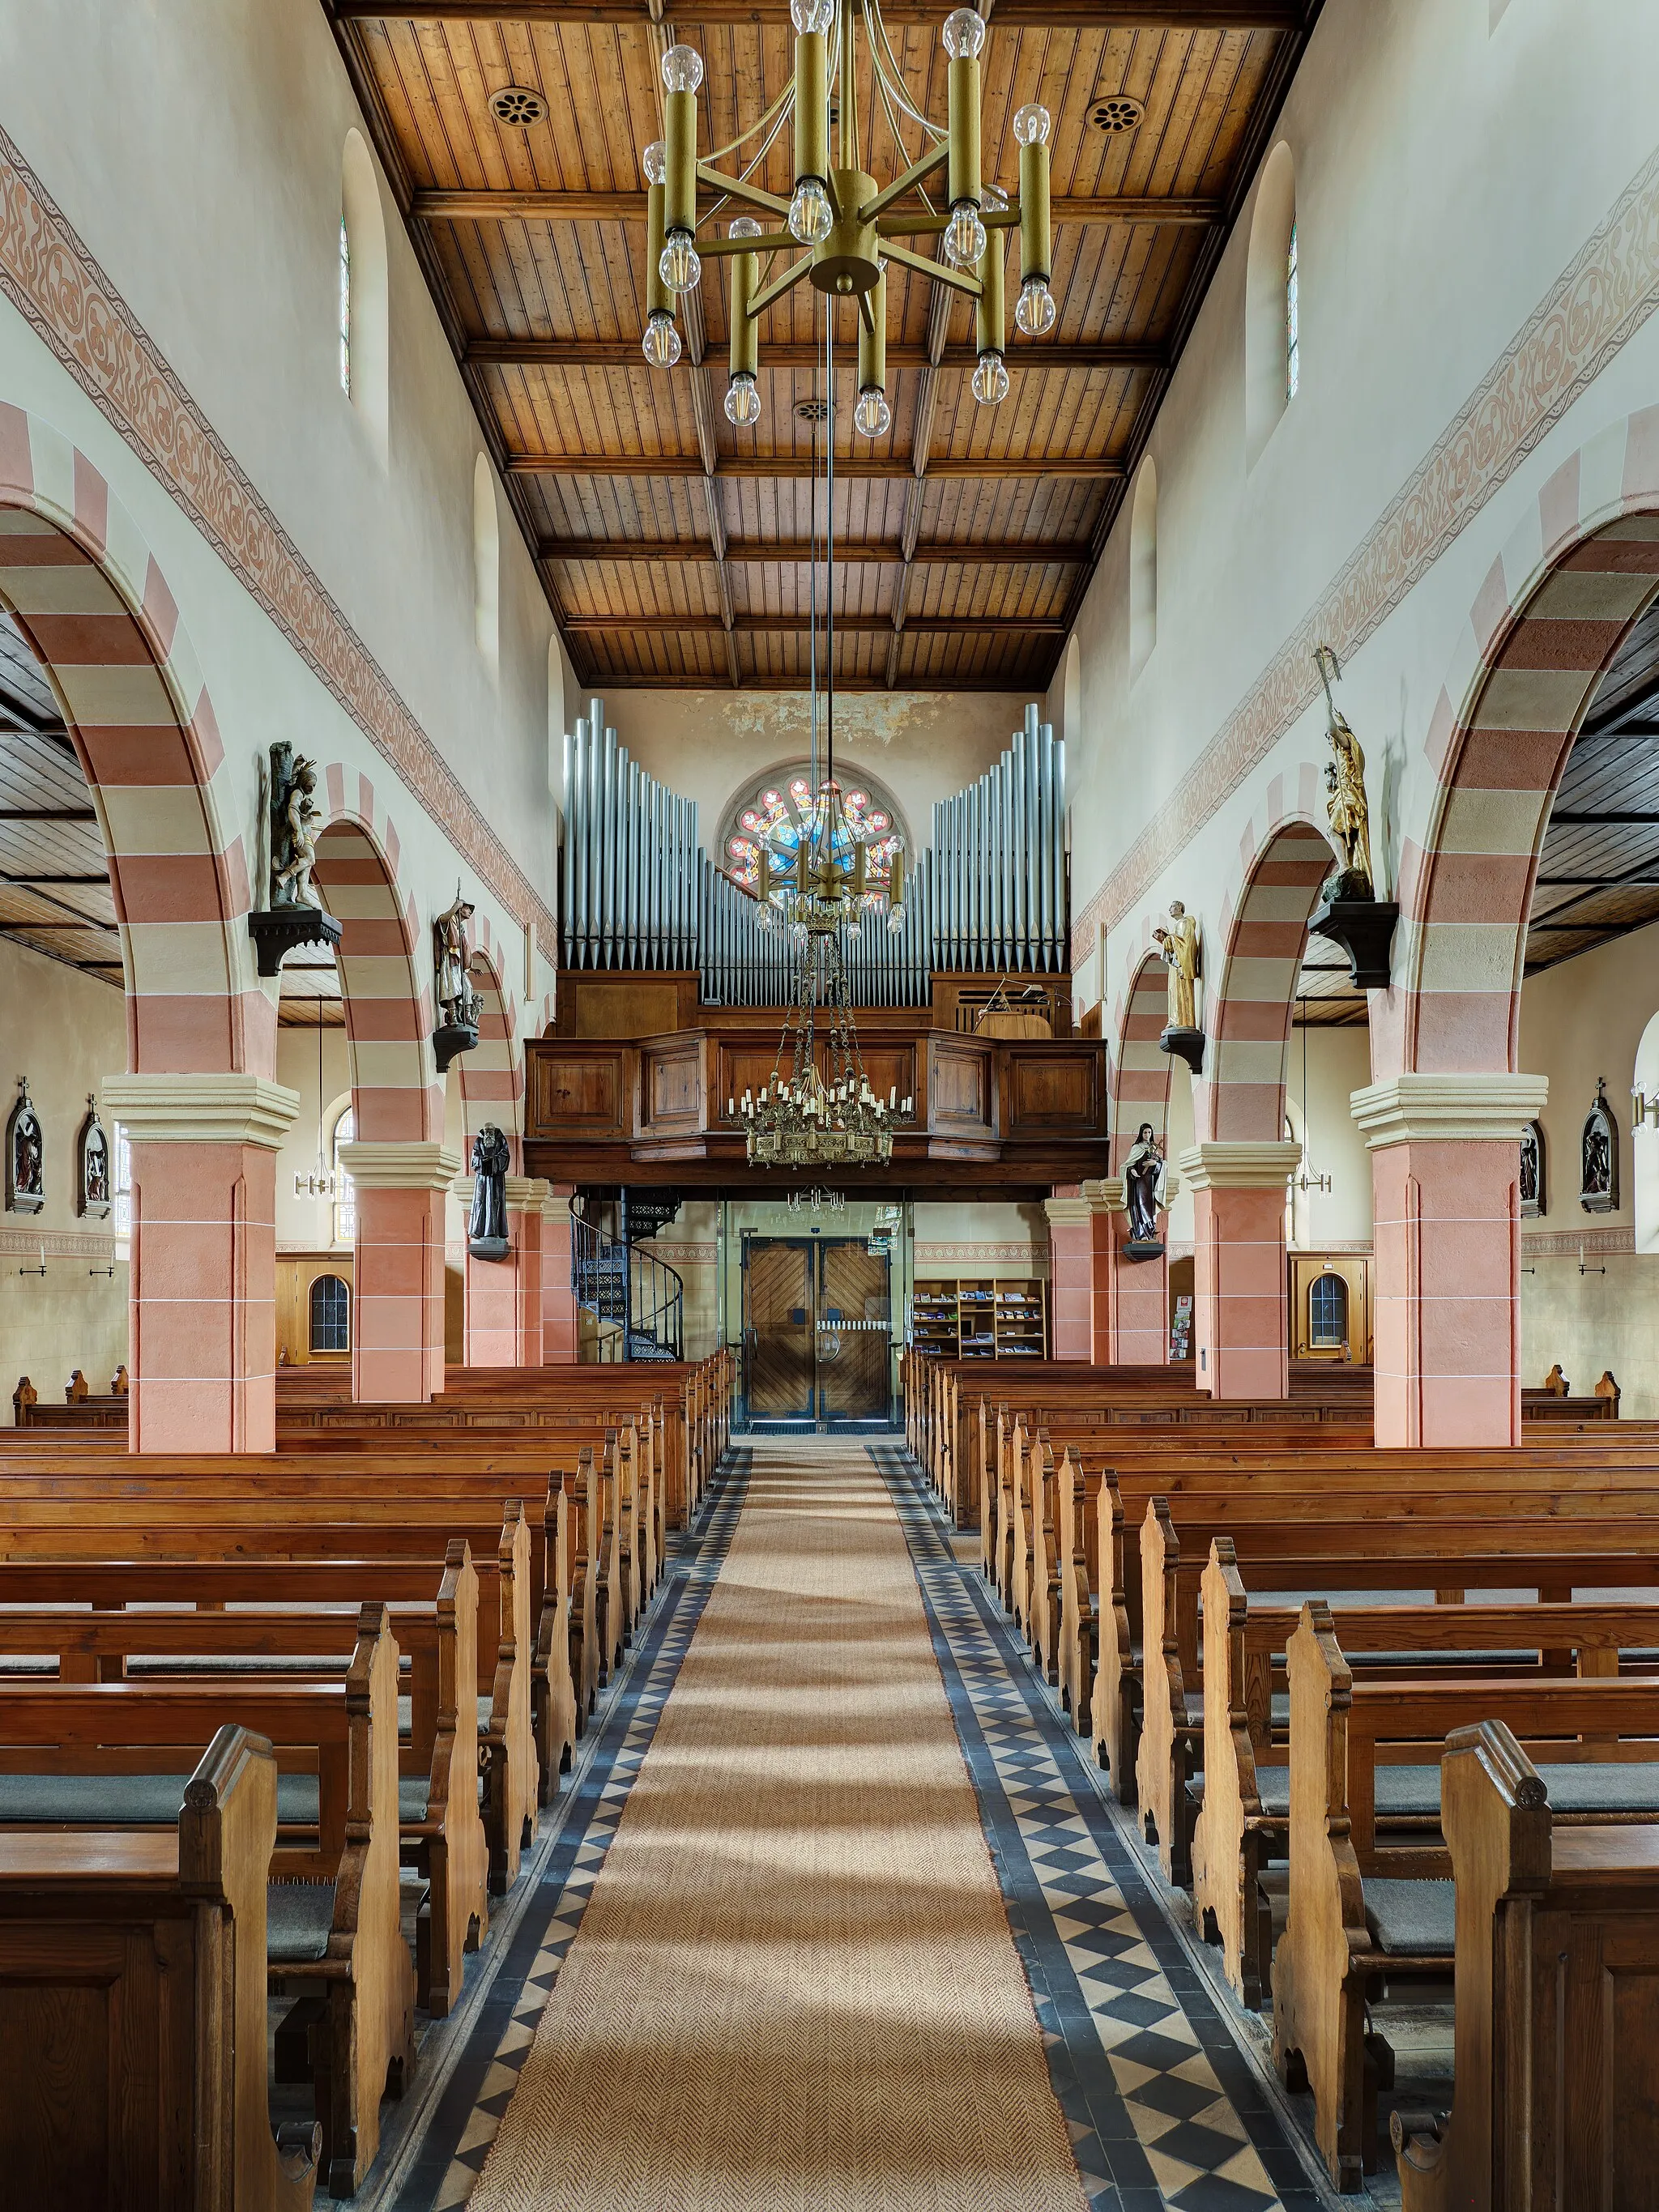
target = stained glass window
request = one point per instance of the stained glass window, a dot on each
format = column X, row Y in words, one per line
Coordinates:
column 1327, row 1312
column 331, row 1314
column 783, row 815
column 1292, row 362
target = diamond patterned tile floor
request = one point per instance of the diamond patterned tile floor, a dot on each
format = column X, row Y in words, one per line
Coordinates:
column 1161, row 2106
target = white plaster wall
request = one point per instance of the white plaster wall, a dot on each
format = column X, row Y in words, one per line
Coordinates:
column 304, row 1224
column 1337, row 1063
column 711, row 746
column 196, row 147
column 1430, row 228
column 961, row 1239
column 66, row 1032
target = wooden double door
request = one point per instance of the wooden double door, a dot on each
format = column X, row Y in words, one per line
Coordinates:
column 816, row 1330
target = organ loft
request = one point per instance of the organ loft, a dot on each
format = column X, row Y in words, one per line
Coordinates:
column 830, row 943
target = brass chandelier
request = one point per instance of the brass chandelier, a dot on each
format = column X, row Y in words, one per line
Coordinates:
column 808, row 1116
column 851, row 228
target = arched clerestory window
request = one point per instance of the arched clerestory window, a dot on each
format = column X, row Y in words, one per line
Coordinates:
column 1143, row 568
column 365, row 343
column 486, row 564
column 1272, row 338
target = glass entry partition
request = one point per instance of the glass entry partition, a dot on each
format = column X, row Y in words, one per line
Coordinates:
column 816, row 1322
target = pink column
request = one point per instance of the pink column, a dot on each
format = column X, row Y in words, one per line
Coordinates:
column 202, row 1314
column 1240, row 1302
column 504, row 1296
column 1445, row 1183
column 1131, row 1297
column 1080, row 1291
column 397, row 1344
column 558, row 1298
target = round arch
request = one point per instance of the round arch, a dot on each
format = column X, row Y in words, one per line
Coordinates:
column 492, row 1073
column 1466, row 894
column 1249, row 1010
column 1141, row 1070
column 84, row 588
column 388, row 1010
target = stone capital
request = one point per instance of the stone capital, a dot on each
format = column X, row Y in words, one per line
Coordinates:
column 1068, row 1213
column 555, row 1206
column 526, row 1194
column 1236, row 1165
column 201, row 1110
column 1409, row 1109
column 376, row 1166
column 1105, row 1195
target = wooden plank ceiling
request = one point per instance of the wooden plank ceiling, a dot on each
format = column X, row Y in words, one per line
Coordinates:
column 673, row 548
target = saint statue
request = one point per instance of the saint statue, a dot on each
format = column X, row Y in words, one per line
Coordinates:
column 488, row 1224
column 458, row 1002
column 1345, row 783
column 1179, row 947
column 1145, row 1180
column 294, row 815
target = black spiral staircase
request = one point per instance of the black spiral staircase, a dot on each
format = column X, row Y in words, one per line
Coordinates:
column 638, row 1300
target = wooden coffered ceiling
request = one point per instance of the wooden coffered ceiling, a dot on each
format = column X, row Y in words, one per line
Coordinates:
column 673, row 548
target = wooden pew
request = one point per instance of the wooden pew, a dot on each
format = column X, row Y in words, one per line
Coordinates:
column 1361, row 1914
column 134, row 1966
column 1557, row 1941
column 231, row 1514
column 80, row 1409
column 1478, row 1539
column 1244, row 1817
column 339, row 1947
column 439, row 1822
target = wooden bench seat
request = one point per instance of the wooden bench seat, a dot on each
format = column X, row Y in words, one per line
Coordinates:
column 1242, row 1820
column 361, row 1989
column 194, row 1520
column 440, row 1821
column 1331, row 1954
column 134, row 1967
column 1557, row 1947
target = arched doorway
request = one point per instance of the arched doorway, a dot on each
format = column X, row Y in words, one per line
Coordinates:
column 200, row 1110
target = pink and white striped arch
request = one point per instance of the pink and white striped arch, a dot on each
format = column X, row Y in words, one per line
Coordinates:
column 492, row 1073
column 1582, row 566
column 1248, row 1007
column 395, row 1087
column 87, row 592
column 1141, row 1087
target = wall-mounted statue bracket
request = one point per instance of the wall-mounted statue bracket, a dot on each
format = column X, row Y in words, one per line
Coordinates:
column 1364, row 928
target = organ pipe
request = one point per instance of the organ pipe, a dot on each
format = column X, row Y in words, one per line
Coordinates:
column 990, row 895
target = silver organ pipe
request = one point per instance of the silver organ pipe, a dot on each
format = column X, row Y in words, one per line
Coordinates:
column 638, row 891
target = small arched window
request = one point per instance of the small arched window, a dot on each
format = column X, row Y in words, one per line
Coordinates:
column 1143, row 569
column 486, row 564
column 1272, row 351
column 1327, row 1312
column 345, row 1191
column 331, row 1314
column 365, row 349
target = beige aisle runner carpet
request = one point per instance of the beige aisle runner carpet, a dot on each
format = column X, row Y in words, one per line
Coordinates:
column 794, row 1984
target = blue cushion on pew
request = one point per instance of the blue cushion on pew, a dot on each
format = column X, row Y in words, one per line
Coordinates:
column 296, row 1799
column 234, row 1662
column 126, row 1801
column 1412, row 1919
column 298, row 1918
column 1406, row 1792
column 1602, row 1787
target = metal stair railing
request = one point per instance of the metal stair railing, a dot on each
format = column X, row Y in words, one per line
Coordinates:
column 632, row 1291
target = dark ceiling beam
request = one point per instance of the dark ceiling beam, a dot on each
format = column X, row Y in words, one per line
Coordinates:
column 781, row 625
column 1060, row 356
column 1015, row 14
column 793, row 552
column 1570, row 818
column 25, row 883
column 630, row 207
column 1015, row 681
column 47, row 814
column 787, row 468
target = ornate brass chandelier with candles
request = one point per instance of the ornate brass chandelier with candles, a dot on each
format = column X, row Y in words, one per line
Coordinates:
column 850, row 227
column 812, row 1113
